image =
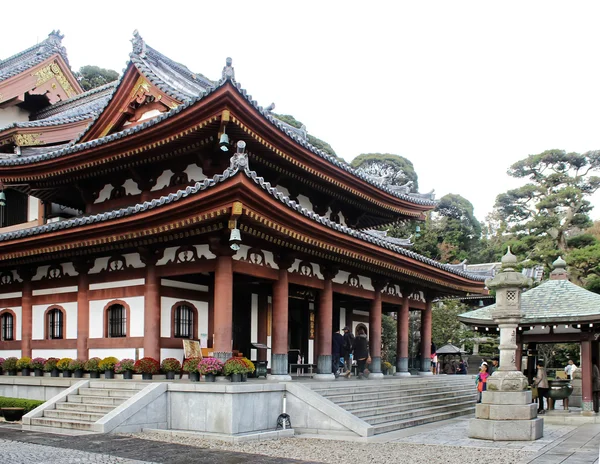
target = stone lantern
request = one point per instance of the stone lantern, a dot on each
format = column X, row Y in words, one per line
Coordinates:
column 507, row 411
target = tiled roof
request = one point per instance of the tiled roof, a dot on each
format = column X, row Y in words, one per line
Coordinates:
column 16, row 64
column 85, row 103
column 200, row 186
column 552, row 301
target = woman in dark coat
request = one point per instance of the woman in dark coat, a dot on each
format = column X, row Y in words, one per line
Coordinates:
column 361, row 351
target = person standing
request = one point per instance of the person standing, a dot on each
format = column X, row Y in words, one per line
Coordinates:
column 494, row 366
column 541, row 382
column 361, row 352
column 482, row 378
column 337, row 345
column 596, row 387
column 347, row 350
column 570, row 368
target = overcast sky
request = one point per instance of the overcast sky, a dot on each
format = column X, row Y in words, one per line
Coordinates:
column 462, row 89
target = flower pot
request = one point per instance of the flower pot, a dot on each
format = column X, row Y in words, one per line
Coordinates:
column 13, row 414
column 67, row 374
column 170, row 375
column 38, row 372
column 194, row 376
column 236, row 377
column 12, row 372
column 109, row 374
column 78, row 373
column 384, row 371
column 127, row 375
column 244, row 377
column 26, row 372
column 94, row 375
column 146, row 376
column 54, row 372
column 209, row 377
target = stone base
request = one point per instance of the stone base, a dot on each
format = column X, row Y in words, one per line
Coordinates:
column 402, row 365
column 279, row 364
column 324, row 377
column 519, row 398
column 375, row 376
column 402, row 374
column 324, row 365
column 507, row 381
column 506, row 412
column 506, row 430
column 279, row 378
column 425, row 373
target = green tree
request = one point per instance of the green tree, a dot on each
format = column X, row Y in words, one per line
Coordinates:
column 446, row 328
column 90, row 77
column 397, row 169
column 388, row 338
column 542, row 214
column 314, row 141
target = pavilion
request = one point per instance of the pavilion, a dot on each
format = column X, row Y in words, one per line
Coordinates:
column 557, row 311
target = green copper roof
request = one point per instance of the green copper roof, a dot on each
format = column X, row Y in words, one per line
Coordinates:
column 552, row 301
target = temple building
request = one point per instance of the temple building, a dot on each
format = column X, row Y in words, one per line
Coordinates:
column 168, row 206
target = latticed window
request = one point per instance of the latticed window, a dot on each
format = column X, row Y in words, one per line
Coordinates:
column 55, row 323
column 7, row 323
column 117, row 321
column 184, row 322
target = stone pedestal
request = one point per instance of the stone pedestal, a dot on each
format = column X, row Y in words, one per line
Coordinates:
column 575, row 398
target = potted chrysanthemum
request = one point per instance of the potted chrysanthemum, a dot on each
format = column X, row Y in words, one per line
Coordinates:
column 234, row 368
column 24, row 365
column 50, row 366
column 108, row 366
column 190, row 366
column 76, row 366
column 125, row 367
column 209, row 368
column 170, row 366
column 92, row 366
column 37, row 364
column 10, row 365
column 147, row 367
column 64, row 365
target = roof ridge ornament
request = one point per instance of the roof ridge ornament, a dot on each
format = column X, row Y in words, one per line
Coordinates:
column 55, row 38
column 228, row 71
column 239, row 161
column 139, row 46
column 559, row 271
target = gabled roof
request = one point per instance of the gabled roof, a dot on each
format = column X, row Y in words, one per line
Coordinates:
column 552, row 301
column 33, row 56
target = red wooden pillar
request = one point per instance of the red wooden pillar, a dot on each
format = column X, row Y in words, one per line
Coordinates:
column 279, row 343
column 325, row 329
column 151, row 311
column 83, row 308
column 375, row 332
column 402, row 340
column 587, row 400
column 263, row 304
column 223, row 307
column 426, row 339
column 26, row 313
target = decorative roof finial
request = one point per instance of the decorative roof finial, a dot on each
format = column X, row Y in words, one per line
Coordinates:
column 228, row 71
column 55, row 38
column 139, row 46
column 560, row 269
column 509, row 260
column 270, row 108
column 240, row 159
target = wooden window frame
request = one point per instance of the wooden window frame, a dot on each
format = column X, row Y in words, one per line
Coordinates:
column 63, row 328
column 127, row 318
column 194, row 324
column 14, row 324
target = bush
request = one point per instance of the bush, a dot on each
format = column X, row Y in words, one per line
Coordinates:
column 386, row 365
column 235, row 366
column 24, row 363
column 108, row 364
column 191, row 365
column 10, row 364
column 64, row 364
column 28, row 405
column 124, row 365
column 92, row 365
column 38, row 363
column 210, row 366
column 50, row 364
column 76, row 364
column 170, row 365
column 147, row 366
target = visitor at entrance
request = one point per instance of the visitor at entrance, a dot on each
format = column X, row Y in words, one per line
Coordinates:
column 541, row 382
column 462, row 368
column 481, row 380
column 596, row 387
column 434, row 361
column 337, row 345
column 347, row 351
column 361, row 352
column 494, row 365
column 570, row 368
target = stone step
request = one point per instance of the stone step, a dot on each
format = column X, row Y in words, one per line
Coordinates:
column 413, row 413
column 86, row 391
column 57, row 431
column 61, row 423
column 115, row 401
column 117, row 385
column 73, row 415
column 405, row 399
column 426, row 419
column 371, row 395
column 83, row 407
column 367, row 385
column 404, row 407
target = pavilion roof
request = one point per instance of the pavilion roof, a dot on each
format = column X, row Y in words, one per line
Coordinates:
column 381, row 241
column 449, row 349
column 552, row 301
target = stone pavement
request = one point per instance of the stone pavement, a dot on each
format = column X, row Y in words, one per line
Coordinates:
column 23, row 447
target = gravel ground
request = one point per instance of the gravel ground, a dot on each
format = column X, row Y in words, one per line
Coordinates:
column 332, row 451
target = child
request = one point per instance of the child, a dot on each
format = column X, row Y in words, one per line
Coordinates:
column 482, row 380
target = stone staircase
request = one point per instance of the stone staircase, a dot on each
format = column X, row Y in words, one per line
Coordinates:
column 396, row 404
column 82, row 409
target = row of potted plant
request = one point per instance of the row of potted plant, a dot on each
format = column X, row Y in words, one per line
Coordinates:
column 236, row 368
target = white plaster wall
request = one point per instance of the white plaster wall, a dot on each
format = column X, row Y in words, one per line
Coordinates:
column 169, row 254
column 120, row 353
column 117, row 284
column 13, row 114
column 38, row 321
column 315, row 267
column 18, row 322
column 42, row 271
column 253, row 323
column 71, row 309
column 8, row 353
column 171, row 353
column 136, row 319
column 104, row 193
column 166, row 303
column 15, row 275
column 134, row 260
column 243, row 253
column 99, row 265
column 10, row 295
column 131, row 187
column 54, row 291
column 194, row 173
column 54, row 354
column 32, row 208
column 283, row 190
column 342, row 318
column 305, row 202
column 342, row 278
column 163, row 180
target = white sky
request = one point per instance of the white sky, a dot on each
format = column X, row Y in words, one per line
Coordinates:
column 462, row 89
